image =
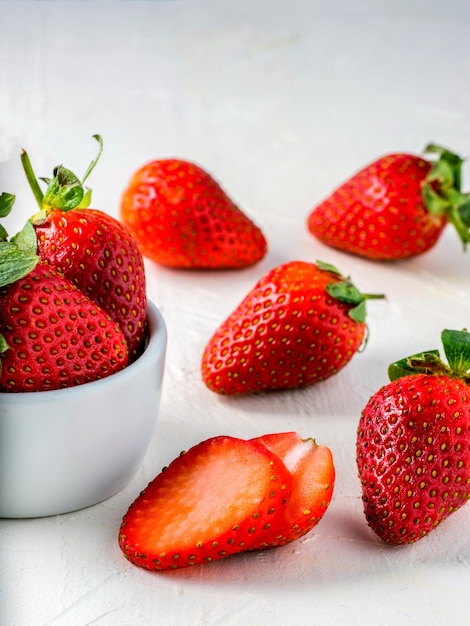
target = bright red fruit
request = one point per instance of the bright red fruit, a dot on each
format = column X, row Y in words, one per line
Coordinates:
column 182, row 218
column 93, row 250
column 53, row 336
column 215, row 500
column 97, row 253
column 300, row 324
column 313, row 477
column 396, row 207
column 413, row 443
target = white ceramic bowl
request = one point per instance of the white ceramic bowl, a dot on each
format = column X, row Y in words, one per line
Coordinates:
column 68, row 449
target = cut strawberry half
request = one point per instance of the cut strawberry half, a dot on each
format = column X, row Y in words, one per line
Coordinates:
column 215, row 500
column 313, row 477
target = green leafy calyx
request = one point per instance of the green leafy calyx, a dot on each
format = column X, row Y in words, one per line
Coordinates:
column 442, row 190
column 65, row 191
column 7, row 201
column 456, row 345
column 17, row 256
column 345, row 291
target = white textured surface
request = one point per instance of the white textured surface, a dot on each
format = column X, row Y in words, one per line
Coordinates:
column 281, row 101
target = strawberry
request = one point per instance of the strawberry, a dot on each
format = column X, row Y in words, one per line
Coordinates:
column 91, row 249
column 182, row 218
column 396, row 207
column 212, row 501
column 54, row 336
column 300, row 324
column 313, row 478
column 413, row 443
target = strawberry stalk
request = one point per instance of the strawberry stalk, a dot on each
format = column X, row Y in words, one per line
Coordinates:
column 442, row 190
column 65, row 191
column 456, row 344
column 345, row 291
column 31, row 178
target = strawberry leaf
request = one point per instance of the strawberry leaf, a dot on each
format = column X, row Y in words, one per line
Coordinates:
column 436, row 204
column 7, row 201
column 457, row 350
column 358, row 313
column 26, row 239
column 3, row 348
column 447, row 170
column 86, row 200
column 15, row 262
column 65, row 191
column 345, row 291
column 422, row 362
column 464, row 212
column 442, row 190
column 328, row 267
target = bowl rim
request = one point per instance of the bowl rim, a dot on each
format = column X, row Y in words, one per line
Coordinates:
column 156, row 344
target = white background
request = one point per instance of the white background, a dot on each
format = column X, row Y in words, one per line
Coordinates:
column 281, row 101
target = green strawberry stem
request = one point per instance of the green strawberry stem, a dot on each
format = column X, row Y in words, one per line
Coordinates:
column 64, row 191
column 31, row 178
column 442, row 190
column 345, row 291
column 95, row 160
column 456, row 345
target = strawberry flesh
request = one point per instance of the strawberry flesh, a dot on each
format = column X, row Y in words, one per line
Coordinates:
column 313, row 477
column 212, row 501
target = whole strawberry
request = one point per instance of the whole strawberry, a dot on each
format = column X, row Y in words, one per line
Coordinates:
column 182, row 218
column 90, row 248
column 300, row 324
column 52, row 335
column 413, row 443
column 396, row 207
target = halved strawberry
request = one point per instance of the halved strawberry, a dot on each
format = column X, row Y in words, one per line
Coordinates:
column 215, row 500
column 313, row 479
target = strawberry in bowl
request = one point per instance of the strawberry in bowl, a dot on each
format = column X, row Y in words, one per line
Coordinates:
column 80, row 348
